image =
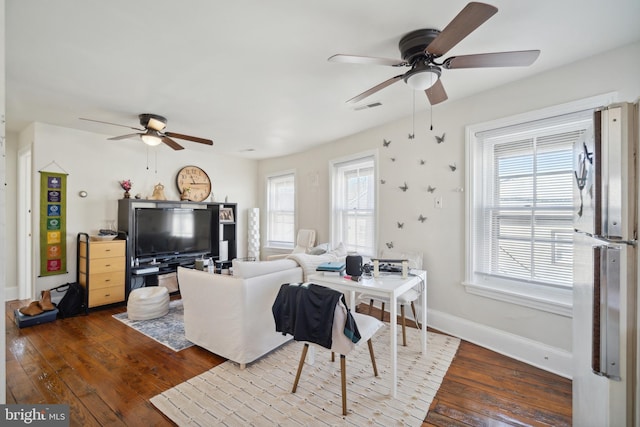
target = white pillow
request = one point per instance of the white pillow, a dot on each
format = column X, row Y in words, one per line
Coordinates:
column 319, row 250
column 309, row 262
column 339, row 251
column 247, row 269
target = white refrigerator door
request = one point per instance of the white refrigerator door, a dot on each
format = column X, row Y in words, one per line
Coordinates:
column 597, row 400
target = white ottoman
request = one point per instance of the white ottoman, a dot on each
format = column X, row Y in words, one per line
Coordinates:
column 148, row 303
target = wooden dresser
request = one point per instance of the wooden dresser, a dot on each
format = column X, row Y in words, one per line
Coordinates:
column 101, row 270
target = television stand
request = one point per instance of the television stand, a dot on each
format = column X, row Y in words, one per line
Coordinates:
column 223, row 238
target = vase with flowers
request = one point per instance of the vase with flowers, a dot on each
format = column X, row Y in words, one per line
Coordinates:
column 126, row 186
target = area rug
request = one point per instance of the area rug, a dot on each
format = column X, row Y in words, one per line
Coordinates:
column 261, row 395
column 167, row 330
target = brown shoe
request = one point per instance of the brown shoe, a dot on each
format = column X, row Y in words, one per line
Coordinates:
column 32, row 309
column 45, row 301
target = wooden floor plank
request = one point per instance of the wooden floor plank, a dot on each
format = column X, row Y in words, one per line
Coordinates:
column 107, row 372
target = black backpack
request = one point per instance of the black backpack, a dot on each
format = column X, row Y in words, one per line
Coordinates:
column 72, row 303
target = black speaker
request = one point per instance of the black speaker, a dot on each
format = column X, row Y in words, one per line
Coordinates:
column 354, row 265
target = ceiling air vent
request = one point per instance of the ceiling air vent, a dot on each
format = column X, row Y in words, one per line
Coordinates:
column 363, row 107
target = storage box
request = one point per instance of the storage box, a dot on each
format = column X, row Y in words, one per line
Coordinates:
column 24, row 321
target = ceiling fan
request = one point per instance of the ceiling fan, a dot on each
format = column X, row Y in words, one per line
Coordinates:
column 420, row 50
column 153, row 132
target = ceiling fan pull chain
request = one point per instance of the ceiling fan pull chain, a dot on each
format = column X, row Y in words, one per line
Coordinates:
column 413, row 125
column 147, row 157
column 431, row 114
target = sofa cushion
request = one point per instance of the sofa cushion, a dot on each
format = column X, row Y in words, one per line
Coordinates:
column 247, row 269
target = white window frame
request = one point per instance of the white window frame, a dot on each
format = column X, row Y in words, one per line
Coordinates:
column 546, row 298
column 334, row 165
column 269, row 179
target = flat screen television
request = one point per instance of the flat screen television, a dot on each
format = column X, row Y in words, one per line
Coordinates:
column 166, row 232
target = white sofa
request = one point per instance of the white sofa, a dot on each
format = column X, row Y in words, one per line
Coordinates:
column 231, row 315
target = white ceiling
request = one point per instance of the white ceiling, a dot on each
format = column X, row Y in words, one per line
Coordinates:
column 253, row 74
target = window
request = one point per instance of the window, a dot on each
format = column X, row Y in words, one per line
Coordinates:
column 520, row 208
column 353, row 217
column 281, row 212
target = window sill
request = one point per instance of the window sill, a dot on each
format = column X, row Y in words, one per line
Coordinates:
column 552, row 300
column 279, row 248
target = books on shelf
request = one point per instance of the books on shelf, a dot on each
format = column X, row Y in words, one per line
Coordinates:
column 336, row 266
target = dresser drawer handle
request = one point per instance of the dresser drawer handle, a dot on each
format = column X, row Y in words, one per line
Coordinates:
column 107, row 295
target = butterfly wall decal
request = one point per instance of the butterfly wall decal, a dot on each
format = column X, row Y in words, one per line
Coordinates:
column 389, row 245
column 385, row 143
column 383, row 181
column 400, row 224
column 453, row 167
column 404, row 187
column 422, row 162
column 393, row 159
column 431, row 189
column 422, row 218
column 412, row 135
column 440, row 139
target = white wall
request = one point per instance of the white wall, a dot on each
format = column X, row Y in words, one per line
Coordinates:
column 96, row 166
column 538, row 337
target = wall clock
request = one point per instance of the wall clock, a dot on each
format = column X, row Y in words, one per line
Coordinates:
column 196, row 181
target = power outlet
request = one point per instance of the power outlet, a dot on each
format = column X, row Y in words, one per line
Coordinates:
column 438, row 202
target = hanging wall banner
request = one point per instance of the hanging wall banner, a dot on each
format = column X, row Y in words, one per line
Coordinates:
column 53, row 223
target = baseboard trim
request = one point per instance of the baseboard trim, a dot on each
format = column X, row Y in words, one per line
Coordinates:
column 11, row 293
column 535, row 353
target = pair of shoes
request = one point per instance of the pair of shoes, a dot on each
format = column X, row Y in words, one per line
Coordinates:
column 45, row 301
column 38, row 307
column 32, row 309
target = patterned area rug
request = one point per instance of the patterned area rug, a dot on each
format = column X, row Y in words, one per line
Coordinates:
column 167, row 330
column 261, row 394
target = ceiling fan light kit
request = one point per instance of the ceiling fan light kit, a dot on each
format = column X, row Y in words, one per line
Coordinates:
column 151, row 137
column 420, row 49
column 422, row 77
column 153, row 132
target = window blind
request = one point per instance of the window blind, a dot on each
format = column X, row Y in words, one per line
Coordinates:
column 523, row 226
column 281, row 210
column 354, row 205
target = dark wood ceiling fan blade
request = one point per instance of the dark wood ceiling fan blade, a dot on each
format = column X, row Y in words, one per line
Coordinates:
column 374, row 89
column 109, row 123
column 436, row 93
column 189, row 138
column 171, row 143
column 471, row 17
column 367, row 60
column 520, row 58
column 131, row 135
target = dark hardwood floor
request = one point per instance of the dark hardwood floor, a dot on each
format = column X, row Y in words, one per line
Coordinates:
column 107, row 372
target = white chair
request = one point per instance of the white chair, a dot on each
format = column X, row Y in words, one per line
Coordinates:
column 305, row 240
column 408, row 298
column 367, row 326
